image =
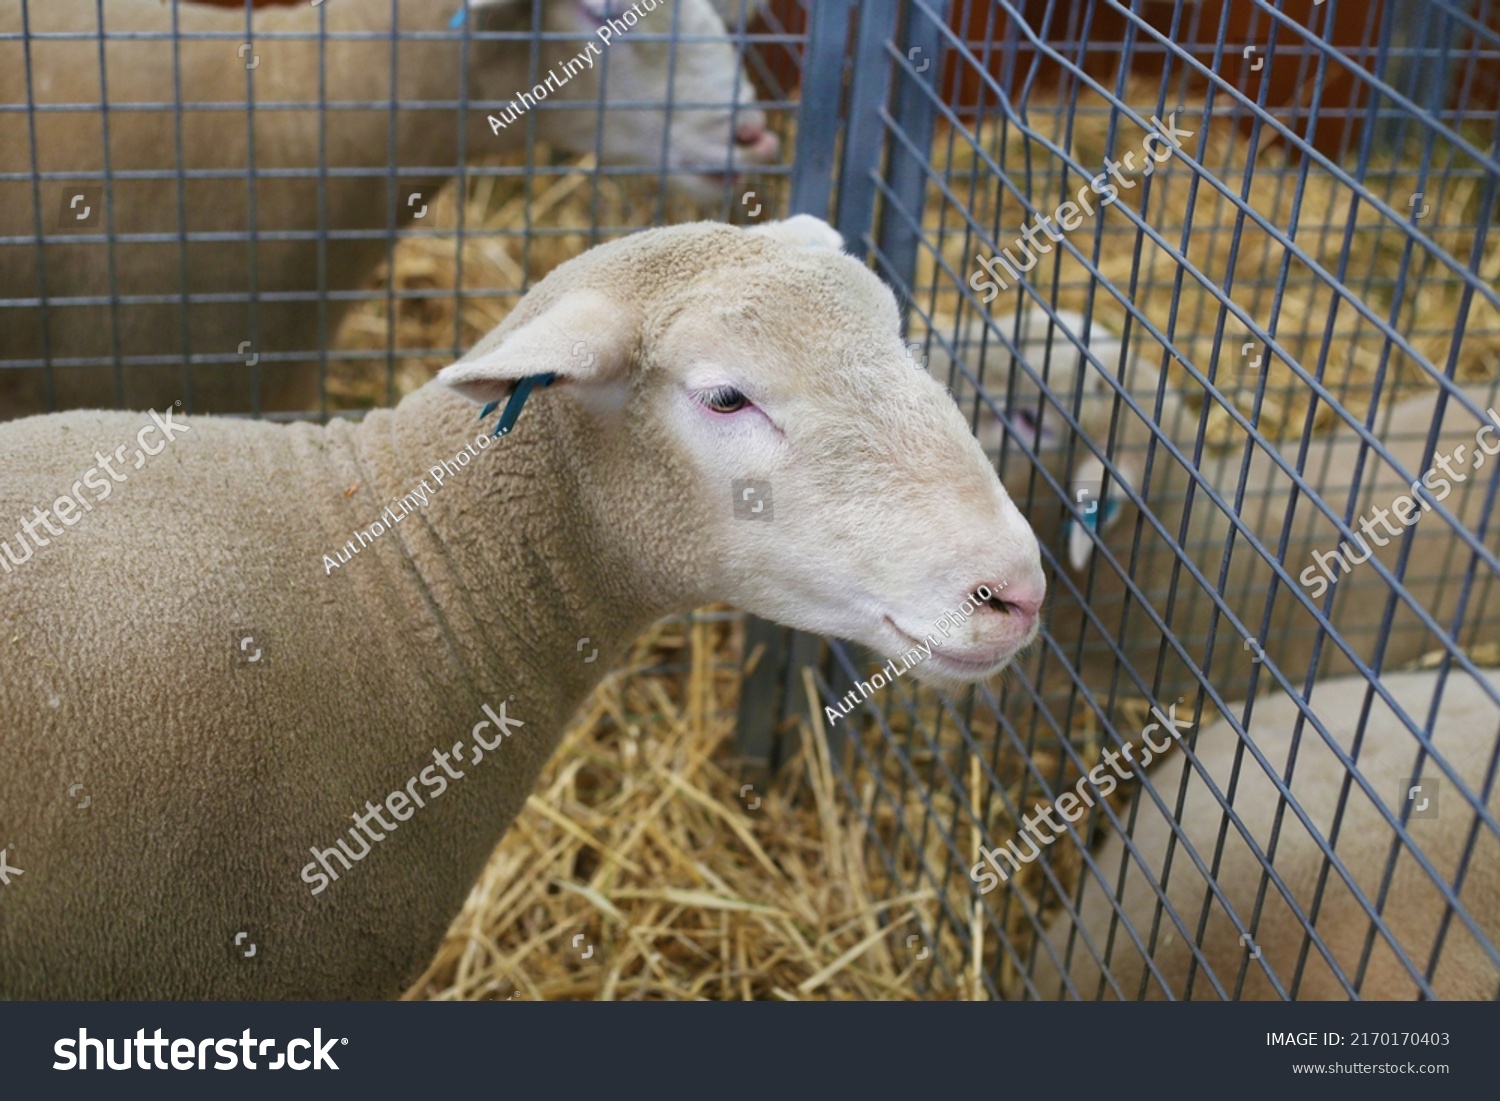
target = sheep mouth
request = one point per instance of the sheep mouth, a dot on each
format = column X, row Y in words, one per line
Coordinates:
column 972, row 666
column 965, row 665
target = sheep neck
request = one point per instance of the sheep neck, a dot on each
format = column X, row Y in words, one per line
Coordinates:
column 525, row 553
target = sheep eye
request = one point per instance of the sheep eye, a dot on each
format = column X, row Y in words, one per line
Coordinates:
column 1026, row 421
column 725, row 399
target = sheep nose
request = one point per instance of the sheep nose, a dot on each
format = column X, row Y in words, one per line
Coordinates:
column 756, row 141
column 1018, row 602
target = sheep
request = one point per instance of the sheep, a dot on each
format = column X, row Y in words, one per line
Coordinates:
column 1464, row 734
column 693, row 362
column 1052, row 345
column 325, row 215
column 1316, row 555
column 1434, row 571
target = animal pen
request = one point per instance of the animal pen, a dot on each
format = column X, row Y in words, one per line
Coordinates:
column 1189, row 387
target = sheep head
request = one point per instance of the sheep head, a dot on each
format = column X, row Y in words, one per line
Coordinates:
column 692, row 103
column 746, row 394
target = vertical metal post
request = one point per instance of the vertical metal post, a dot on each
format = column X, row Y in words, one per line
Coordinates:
column 906, row 171
column 859, row 168
column 864, row 135
column 818, row 107
column 1423, row 67
column 770, row 692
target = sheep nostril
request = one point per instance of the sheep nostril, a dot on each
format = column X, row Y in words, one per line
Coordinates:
column 756, row 142
column 1015, row 602
column 748, row 133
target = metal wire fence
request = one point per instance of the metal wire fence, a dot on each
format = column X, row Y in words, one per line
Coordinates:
column 1215, row 283
column 195, row 198
column 295, row 212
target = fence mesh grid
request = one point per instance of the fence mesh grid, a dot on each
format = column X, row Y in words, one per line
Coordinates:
column 197, row 194
column 228, row 205
column 1201, row 369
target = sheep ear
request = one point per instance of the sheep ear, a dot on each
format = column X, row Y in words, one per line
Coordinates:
column 802, row 231
column 584, row 336
column 1099, row 516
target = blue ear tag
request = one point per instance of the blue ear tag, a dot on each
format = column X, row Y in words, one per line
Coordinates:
column 1102, row 515
column 517, row 400
column 458, row 16
column 1092, row 520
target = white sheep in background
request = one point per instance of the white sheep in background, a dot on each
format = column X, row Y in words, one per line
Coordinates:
column 1433, row 575
column 1434, row 570
column 712, row 357
column 707, row 139
column 1465, row 734
column 1051, row 346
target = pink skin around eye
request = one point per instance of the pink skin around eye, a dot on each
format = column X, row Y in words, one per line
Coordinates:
column 600, row 13
column 1025, row 422
column 701, row 399
column 748, row 410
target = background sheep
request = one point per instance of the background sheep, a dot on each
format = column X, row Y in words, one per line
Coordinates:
column 1091, row 587
column 1284, row 629
column 977, row 362
column 326, row 197
column 1463, row 735
column 713, row 356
